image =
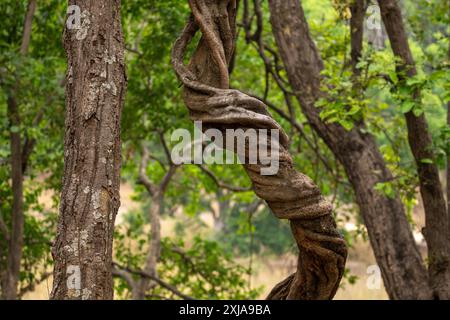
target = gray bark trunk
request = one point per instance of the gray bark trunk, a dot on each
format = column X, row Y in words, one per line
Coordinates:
column 95, row 90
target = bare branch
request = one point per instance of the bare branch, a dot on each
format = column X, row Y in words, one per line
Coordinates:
column 143, row 178
column 33, row 285
column 4, row 228
column 162, row 283
column 125, row 275
column 165, row 147
column 165, row 181
column 133, row 50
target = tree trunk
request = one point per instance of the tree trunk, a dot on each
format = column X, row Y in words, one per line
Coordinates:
column 154, row 251
column 448, row 172
column 95, row 90
column 390, row 235
column 16, row 235
column 16, row 238
column 157, row 192
column 290, row 194
column 358, row 10
column 436, row 231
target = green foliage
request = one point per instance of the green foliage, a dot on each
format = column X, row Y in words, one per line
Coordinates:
column 264, row 233
column 34, row 80
column 202, row 269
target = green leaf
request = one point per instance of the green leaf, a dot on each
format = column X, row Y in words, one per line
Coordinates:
column 418, row 111
column 348, row 125
column 427, row 161
column 407, row 106
column 393, row 76
column 14, row 129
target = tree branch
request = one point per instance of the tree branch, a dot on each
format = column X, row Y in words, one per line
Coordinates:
column 33, row 285
column 143, row 178
column 27, row 27
column 125, row 275
column 4, row 228
column 162, row 283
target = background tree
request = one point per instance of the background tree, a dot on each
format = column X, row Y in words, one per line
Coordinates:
column 304, row 69
column 32, row 98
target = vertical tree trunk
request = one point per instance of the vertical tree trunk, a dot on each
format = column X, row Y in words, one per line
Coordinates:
column 95, row 90
column 157, row 192
column 17, row 226
column 358, row 10
column 16, row 238
column 448, row 172
column 154, row 251
column 448, row 159
column 436, row 220
column 390, row 235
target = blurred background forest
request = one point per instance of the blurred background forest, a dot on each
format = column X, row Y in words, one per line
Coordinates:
column 218, row 239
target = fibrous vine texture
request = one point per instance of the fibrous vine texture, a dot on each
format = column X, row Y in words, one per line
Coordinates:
column 289, row 193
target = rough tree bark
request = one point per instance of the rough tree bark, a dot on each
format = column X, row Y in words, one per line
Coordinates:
column 11, row 279
column 95, row 90
column 290, row 194
column 436, row 220
column 390, row 235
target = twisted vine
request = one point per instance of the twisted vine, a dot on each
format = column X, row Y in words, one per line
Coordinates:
column 289, row 194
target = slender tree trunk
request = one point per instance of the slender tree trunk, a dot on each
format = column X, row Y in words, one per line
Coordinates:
column 16, row 238
column 448, row 159
column 223, row 208
column 390, row 235
column 358, row 10
column 448, row 172
column 95, row 91
column 436, row 220
column 154, row 251
column 289, row 193
column 17, row 226
column 157, row 192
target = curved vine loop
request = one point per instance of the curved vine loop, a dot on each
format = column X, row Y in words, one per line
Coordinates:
column 289, row 194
